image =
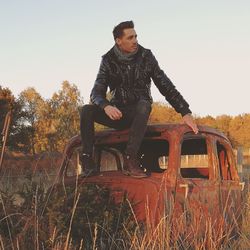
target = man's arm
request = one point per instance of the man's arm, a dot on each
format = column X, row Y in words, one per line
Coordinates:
column 172, row 95
column 188, row 119
column 98, row 93
column 167, row 88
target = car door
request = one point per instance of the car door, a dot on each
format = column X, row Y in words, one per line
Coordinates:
column 230, row 186
column 197, row 186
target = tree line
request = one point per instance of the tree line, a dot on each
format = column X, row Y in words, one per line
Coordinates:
column 40, row 125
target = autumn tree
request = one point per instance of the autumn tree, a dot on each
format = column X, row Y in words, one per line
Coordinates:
column 31, row 101
column 163, row 113
column 223, row 124
column 6, row 104
column 207, row 120
column 239, row 128
column 40, row 125
column 18, row 139
column 44, row 127
column 66, row 104
column 59, row 118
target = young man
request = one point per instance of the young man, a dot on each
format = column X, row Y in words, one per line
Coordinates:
column 127, row 69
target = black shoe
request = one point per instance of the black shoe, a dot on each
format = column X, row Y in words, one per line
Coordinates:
column 131, row 167
column 89, row 167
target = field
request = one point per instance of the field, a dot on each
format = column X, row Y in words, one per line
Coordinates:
column 33, row 217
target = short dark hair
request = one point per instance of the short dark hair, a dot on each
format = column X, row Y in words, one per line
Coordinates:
column 118, row 29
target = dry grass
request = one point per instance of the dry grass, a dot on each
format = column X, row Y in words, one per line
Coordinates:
column 166, row 235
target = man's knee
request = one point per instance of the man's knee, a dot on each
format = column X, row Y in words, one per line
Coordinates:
column 143, row 107
column 87, row 110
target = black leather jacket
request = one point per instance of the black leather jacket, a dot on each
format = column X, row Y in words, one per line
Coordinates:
column 130, row 82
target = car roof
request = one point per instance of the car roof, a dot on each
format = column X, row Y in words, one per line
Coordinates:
column 154, row 128
column 110, row 136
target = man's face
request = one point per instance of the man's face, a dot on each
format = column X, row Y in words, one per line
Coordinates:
column 128, row 42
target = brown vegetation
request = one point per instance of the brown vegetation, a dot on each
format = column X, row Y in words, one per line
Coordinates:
column 87, row 218
column 40, row 125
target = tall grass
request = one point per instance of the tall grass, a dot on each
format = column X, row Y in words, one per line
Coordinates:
column 36, row 218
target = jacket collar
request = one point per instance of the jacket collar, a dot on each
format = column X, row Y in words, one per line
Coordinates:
column 111, row 54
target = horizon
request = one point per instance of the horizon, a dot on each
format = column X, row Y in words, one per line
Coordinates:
column 163, row 102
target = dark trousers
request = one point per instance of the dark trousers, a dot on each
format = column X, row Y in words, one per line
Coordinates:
column 134, row 117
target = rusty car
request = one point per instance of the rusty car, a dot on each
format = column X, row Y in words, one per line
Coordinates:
column 193, row 176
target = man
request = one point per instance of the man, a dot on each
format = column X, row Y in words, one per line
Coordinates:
column 127, row 69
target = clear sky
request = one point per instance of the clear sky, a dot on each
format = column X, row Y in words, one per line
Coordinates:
column 203, row 46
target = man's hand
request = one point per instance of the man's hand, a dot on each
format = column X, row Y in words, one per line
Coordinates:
column 113, row 112
column 188, row 119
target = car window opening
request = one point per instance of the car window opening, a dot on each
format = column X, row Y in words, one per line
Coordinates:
column 194, row 159
column 153, row 156
column 224, row 164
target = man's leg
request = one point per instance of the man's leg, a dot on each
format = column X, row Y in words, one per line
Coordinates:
column 138, row 127
column 137, row 130
column 89, row 115
column 135, row 117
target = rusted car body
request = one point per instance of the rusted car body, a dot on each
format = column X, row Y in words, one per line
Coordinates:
column 190, row 176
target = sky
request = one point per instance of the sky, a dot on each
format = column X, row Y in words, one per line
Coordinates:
column 203, row 46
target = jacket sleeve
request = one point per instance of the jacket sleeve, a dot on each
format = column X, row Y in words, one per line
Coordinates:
column 98, row 93
column 167, row 88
